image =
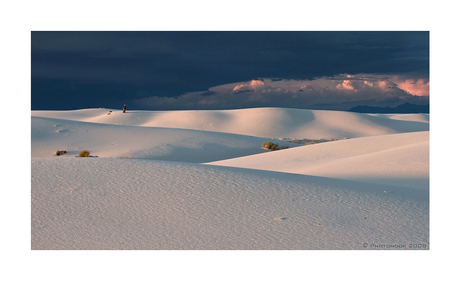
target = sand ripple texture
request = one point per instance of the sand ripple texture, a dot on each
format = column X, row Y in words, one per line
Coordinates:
column 94, row 203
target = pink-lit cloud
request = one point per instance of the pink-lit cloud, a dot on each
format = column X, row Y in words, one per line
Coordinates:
column 415, row 88
column 384, row 85
column 370, row 84
column 252, row 85
column 346, row 85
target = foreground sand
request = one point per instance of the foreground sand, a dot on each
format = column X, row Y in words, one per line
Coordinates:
column 140, row 204
column 149, row 187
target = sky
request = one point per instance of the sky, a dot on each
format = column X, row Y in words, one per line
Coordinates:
column 173, row 70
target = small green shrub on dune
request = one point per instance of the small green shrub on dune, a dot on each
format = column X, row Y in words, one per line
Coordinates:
column 272, row 146
column 84, row 153
column 268, row 145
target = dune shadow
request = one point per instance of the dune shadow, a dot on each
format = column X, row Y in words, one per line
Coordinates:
column 208, row 152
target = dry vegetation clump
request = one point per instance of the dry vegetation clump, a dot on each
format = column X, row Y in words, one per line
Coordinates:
column 310, row 141
column 273, row 146
column 84, row 153
column 60, row 152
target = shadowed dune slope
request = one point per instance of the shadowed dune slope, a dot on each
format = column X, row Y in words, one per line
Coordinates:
column 116, row 141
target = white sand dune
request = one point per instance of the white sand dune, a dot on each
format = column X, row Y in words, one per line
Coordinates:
column 103, row 140
column 397, row 159
column 415, row 117
column 348, row 194
column 97, row 203
column 260, row 122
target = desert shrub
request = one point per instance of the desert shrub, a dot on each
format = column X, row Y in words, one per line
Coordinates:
column 59, row 152
column 272, row 146
column 268, row 145
column 84, row 153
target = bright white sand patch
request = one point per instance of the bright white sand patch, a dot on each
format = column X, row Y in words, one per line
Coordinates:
column 416, row 117
column 397, row 159
column 96, row 203
column 260, row 122
column 103, row 140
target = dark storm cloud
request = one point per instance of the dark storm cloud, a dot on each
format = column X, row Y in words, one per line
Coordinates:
column 105, row 69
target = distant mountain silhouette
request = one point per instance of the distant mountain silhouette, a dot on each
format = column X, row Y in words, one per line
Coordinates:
column 403, row 108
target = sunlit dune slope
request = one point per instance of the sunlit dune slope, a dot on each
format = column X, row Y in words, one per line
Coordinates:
column 399, row 159
column 260, row 122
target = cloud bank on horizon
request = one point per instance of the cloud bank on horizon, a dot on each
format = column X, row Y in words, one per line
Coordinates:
column 225, row 70
column 336, row 93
